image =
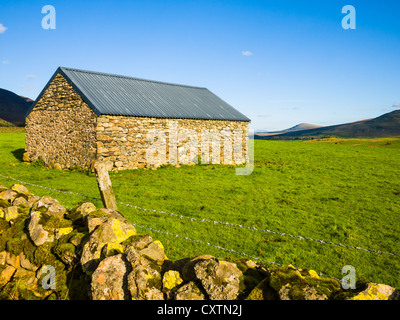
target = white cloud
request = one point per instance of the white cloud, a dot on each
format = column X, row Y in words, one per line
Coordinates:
column 27, row 88
column 247, row 53
column 292, row 101
column 30, row 76
column 5, row 62
column 2, row 28
column 396, row 105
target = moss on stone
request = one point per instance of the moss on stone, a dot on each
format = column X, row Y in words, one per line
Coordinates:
column 23, row 209
column 343, row 294
column 66, row 252
column 76, row 237
column 4, row 203
column 18, row 290
column 28, row 249
column 15, row 246
column 263, row 291
column 12, row 236
column 4, row 225
column 43, row 255
column 299, row 285
column 51, row 222
column 97, row 213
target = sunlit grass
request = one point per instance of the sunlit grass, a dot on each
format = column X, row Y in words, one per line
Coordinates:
column 337, row 190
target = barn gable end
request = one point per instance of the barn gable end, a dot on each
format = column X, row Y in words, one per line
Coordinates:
column 61, row 127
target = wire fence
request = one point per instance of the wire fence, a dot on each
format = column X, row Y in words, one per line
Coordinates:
column 253, row 229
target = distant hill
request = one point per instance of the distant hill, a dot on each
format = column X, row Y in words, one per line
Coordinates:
column 4, row 123
column 301, row 126
column 387, row 125
column 13, row 107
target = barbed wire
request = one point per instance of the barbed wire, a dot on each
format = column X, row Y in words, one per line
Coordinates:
column 166, row 232
column 261, row 230
column 223, row 249
column 47, row 188
column 213, row 221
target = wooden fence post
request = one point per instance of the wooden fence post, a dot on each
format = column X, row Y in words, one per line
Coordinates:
column 105, row 187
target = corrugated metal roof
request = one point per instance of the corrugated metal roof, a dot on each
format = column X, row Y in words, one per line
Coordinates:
column 111, row 94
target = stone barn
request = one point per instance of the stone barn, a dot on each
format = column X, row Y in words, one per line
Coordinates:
column 81, row 117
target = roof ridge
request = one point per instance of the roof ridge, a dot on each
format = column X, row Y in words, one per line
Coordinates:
column 132, row 78
column 104, row 94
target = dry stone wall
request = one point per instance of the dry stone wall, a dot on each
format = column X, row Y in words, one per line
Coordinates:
column 50, row 252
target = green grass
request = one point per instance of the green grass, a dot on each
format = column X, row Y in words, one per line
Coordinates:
column 342, row 191
column 9, row 129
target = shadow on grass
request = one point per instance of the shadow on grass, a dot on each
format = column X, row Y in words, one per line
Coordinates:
column 18, row 154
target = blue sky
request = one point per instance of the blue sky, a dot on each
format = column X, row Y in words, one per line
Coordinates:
column 279, row 62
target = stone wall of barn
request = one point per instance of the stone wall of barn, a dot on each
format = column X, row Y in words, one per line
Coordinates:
column 61, row 129
column 139, row 142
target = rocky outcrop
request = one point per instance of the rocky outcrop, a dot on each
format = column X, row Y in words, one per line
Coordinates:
column 50, row 252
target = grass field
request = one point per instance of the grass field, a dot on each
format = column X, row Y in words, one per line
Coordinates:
column 342, row 191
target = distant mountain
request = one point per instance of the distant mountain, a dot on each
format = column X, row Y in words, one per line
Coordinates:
column 301, row 126
column 13, row 107
column 387, row 125
column 4, row 123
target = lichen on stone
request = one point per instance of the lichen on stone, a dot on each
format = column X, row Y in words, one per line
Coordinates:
column 263, row 291
column 376, row 291
column 171, row 279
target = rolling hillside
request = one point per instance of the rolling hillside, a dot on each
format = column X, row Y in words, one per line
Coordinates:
column 13, row 107
column 301, row 126
column 4, row 123
column 385, row 126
